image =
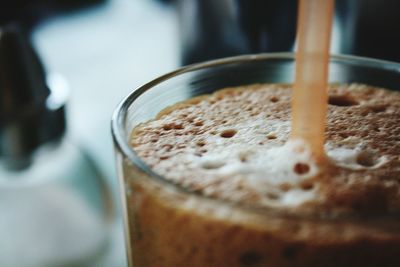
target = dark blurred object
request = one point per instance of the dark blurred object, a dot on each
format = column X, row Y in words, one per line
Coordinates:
column 370, row 28
column 30, row 12
column 166, row 1
column 26, row 119
column 213, row 29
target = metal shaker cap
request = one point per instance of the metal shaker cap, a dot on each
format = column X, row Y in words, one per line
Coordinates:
column 30, row 114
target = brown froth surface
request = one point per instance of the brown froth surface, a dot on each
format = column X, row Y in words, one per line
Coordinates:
column 183, row 142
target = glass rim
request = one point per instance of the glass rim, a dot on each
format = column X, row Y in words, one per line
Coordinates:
column 121, row 138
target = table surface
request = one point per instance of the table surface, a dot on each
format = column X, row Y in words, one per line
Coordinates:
column 104, row 53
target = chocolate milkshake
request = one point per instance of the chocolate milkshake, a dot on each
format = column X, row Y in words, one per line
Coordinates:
column 230, row 190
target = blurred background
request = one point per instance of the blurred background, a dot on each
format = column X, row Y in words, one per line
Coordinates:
column 66, row 64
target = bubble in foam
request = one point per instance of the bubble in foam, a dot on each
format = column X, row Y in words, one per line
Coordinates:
column 358, row 158
column 212, row 163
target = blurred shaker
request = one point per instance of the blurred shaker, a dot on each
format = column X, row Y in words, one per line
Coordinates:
column 54, row 206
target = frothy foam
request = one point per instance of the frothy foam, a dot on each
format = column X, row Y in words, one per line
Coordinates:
column 277, row 166
column 267, row 170
column 233, row 145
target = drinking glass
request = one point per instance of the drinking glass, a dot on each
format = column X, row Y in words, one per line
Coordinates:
column 168, row 226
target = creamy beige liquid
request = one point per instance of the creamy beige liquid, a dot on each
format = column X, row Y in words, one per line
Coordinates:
column 231, row 146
